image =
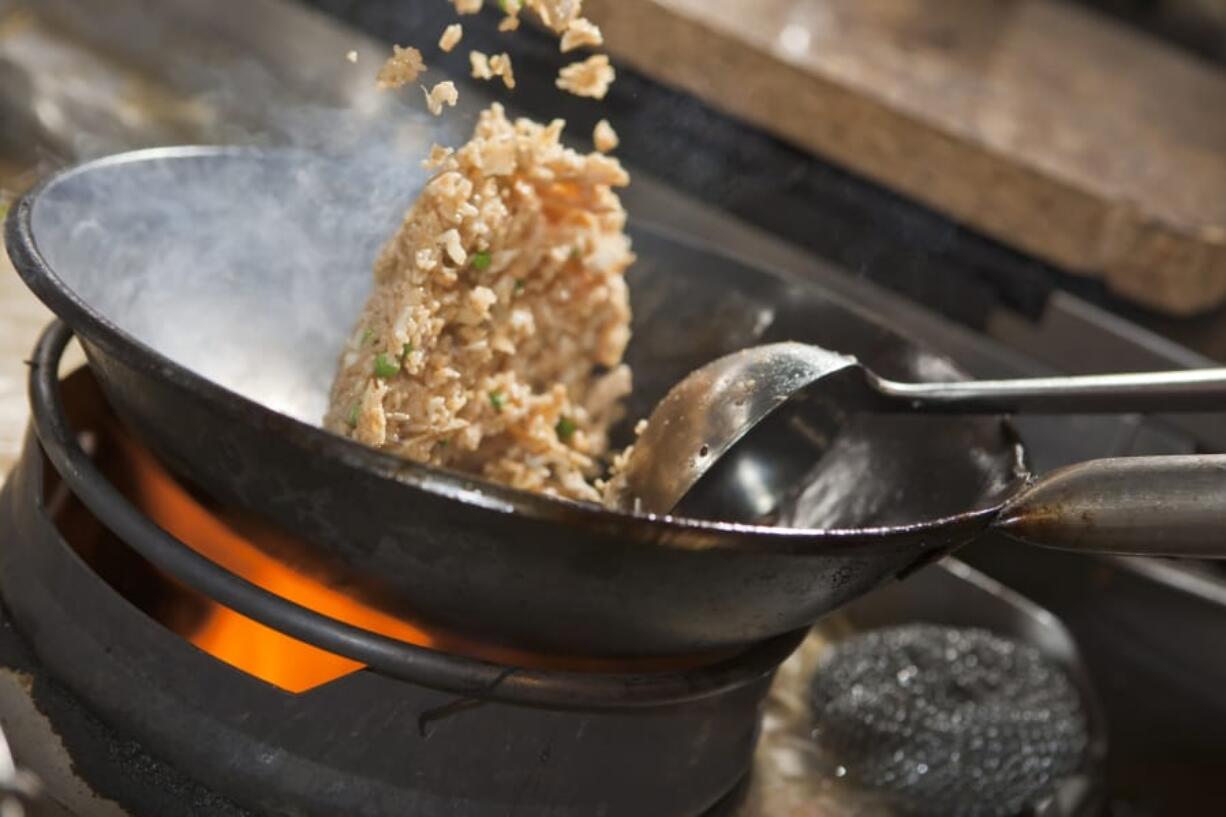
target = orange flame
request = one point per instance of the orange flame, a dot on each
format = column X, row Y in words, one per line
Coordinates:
column 229, row 539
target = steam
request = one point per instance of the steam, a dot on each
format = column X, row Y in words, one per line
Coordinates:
column 249, row 268
column 246, row 268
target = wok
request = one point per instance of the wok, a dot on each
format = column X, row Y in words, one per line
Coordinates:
column 212, row 290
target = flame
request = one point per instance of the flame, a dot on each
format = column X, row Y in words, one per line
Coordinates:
column 230, row 539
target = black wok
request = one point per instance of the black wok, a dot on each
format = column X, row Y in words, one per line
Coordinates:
column 212, row 290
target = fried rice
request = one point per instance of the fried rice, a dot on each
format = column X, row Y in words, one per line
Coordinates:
column 492, row 342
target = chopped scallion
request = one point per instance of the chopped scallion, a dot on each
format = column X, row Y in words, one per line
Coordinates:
column 352, row 419
column 482, row 260
column 497, row 400
column 405, row 351
column 385, row 366
column 566, row 428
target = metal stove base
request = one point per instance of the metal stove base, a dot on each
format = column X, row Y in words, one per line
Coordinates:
column 87, row 768
column 71, row 747
column 77, row 747
column 125, row 704
column 91, row 770
column 366, row 744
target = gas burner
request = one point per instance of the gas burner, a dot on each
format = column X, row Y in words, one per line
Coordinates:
column 179, row 687
column 429, row 733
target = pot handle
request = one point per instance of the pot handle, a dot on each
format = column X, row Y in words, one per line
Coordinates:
column 1136, row 506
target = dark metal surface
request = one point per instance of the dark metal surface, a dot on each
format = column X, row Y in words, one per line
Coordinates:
column 366, row 744
column 458, row 551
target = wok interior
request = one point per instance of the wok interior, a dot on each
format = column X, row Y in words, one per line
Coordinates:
column 250, row 267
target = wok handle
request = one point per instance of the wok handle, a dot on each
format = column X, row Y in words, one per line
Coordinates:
column 1138, row 506
column 1142, row 392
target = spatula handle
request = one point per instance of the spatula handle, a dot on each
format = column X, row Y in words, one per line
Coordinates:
column 1184, row 390
column 1151, row 506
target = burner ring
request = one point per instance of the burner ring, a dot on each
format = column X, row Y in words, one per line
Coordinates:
column 472, row 678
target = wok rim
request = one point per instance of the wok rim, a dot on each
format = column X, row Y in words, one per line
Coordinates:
column 651, row 530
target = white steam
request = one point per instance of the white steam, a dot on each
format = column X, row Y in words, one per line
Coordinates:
column 248, row 268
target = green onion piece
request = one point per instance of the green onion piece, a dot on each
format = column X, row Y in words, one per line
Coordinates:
column 352, row 419
column 497, row 400
column 385, row 367
column 502, row 4
column 404, row 352
column 368, row 335
column 481, row 260
column 566, row 428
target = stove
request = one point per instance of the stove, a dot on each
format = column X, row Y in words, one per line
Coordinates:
column 1159, row 744
column 144, row 695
